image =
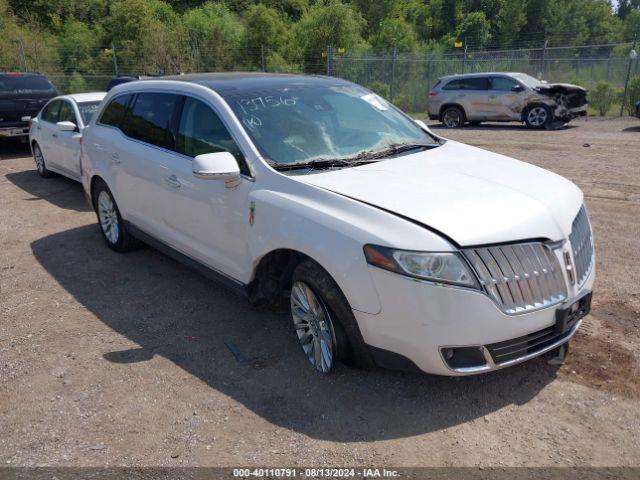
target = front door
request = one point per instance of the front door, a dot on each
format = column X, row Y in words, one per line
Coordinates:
column 68, row 142
column 506, row 104
column 208, row 219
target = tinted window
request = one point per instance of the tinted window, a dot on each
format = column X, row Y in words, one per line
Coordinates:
column 24, row 83
column 202, row 131
column 479, row 83
column 50, row 112
column 114, row 112
column 150, row 119
column 87, row 110
column 502, row 84
column 66, row 113
column 453, row 85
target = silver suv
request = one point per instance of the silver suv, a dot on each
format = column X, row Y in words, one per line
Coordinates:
column 504, row 97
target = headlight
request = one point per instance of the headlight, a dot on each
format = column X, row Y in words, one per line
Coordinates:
column 436, row 267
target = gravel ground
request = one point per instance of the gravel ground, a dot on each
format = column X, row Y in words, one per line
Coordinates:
column 109, row 359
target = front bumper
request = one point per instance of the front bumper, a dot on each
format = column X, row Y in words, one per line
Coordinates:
column 419, row 319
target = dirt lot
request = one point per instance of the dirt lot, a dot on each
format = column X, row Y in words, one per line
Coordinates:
column 109, row 359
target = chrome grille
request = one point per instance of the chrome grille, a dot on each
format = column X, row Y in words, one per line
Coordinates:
column 519, row 277
column 582, row 245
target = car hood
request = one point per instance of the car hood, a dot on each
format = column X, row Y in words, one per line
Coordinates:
column 560, row 88
column 470, row 195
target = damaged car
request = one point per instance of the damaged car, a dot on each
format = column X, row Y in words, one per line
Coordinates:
column 504, row 97
column 393, row 246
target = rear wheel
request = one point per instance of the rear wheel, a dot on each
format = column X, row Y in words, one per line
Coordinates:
column 538, row 116
column 453, row 117
column 41, row 166
column 323, row 320
column 112, row 227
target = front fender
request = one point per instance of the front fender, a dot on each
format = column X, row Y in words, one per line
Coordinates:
column 283, row 220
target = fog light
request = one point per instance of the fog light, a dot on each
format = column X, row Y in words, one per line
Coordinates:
column 463, row 357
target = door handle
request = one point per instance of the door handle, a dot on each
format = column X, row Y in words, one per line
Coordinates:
column 492, row 96
column 115, row 158
column 54, row 135
column 172, row 181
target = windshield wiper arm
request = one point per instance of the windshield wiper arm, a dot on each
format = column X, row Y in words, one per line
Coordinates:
column 396, row 149
column 316, row 164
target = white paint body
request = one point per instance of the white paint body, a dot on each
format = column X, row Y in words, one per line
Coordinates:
column 60, row 148
column 465, row 195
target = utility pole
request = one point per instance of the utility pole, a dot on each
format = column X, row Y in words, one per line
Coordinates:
column 329, row 61
column 23, row 60
column 262, row 62
column 464, row 59
column 115, row 60
column 393, row 73
column 626, row 82
column 544, row 58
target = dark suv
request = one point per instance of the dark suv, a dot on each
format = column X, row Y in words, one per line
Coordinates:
column 22, row 96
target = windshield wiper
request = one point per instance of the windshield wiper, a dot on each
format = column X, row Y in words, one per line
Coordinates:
column 320, row 164
column 362, row 158
column 397, row 149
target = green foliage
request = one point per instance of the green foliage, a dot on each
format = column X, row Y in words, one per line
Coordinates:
column 633, row 94
column 404, row 102
column 475, row 29
column 380, row 88
column 76, row 83
column 602, row 97
column 395, row 32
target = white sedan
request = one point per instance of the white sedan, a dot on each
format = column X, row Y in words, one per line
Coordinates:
column 56, row 133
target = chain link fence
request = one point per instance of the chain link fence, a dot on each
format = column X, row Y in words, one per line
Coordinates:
column 405, row 79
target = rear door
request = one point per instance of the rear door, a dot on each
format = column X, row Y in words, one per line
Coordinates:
column 142, row 160
column 476, row 101
column 505, row 103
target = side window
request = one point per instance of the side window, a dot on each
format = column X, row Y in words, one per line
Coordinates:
column 453, row 85
column 503, row 84
column 66, row 113
column 114, row 112
column 480, row 83
column 50, row 112
column 150, row 119
column 201, row 131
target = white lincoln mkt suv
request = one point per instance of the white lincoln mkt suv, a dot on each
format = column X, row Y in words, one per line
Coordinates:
column 395, row 247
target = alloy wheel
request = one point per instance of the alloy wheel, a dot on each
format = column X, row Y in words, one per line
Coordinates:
column 451, row 118
column 313, row 326
column 37, row 155
column 537, row 116
column 108, row 217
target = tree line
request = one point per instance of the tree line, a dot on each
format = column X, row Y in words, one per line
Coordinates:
column 156, row 36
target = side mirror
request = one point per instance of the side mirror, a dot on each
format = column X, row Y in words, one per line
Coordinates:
column 517, row 88
column 66, row 126
column 216, row 166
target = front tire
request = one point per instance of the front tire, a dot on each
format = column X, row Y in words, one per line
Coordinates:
column 112, row 227
column 41, row 166
column 453, row 117
column 323, row 320
column 538, row 116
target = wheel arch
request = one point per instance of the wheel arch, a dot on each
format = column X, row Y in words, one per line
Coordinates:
column 273, row 274
column 444, row 106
